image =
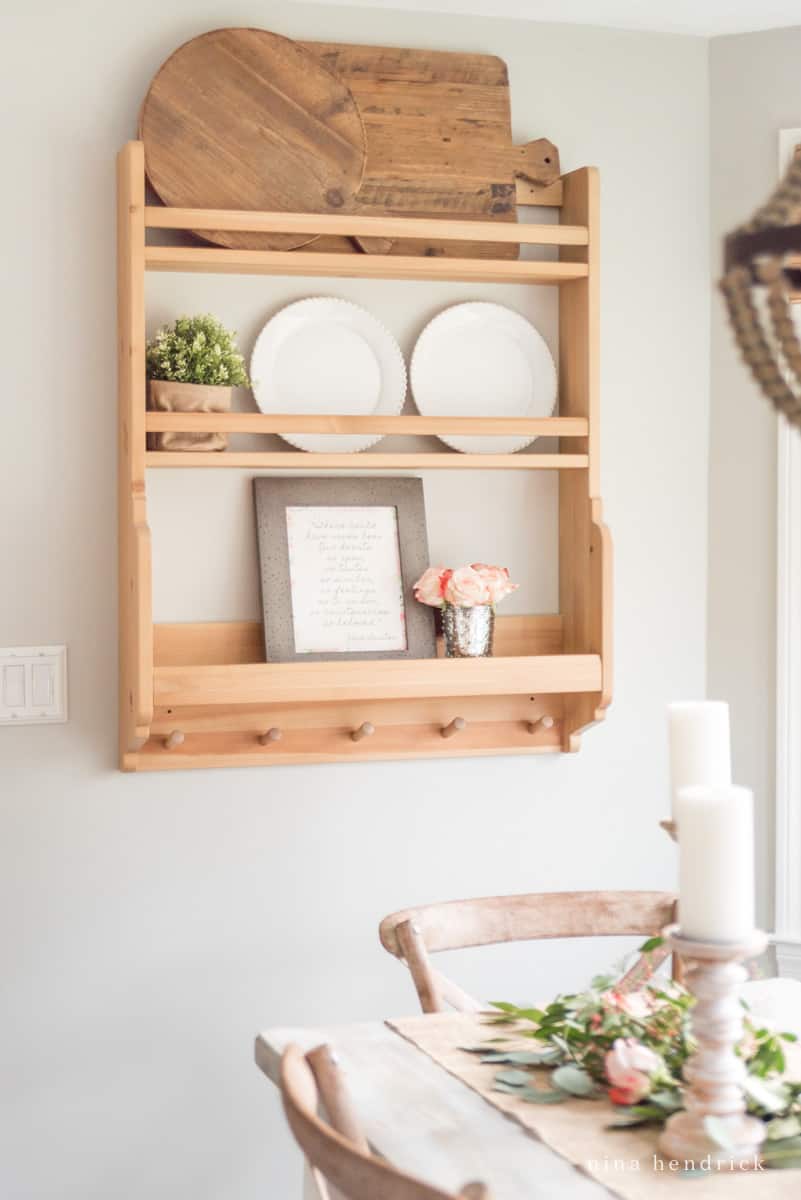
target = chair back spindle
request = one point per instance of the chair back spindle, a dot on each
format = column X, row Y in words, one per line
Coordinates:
column 342, row 1158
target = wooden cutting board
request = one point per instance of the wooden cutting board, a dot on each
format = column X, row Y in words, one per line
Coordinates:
column 243, row 118
column 439, row 137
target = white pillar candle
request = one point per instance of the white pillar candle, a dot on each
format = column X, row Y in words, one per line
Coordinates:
column 716, row 863
column 700, row 748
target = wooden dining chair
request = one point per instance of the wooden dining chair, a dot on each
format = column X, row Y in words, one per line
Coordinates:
column 335, row 1148
column 413, row 934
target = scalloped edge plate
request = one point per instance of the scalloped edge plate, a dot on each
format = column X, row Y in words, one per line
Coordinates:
column 444, row 386
column 382, row 371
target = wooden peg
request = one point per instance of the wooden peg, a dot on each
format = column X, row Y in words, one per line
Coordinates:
column 176, row 738
column 456, row 726
column 365, row 730
column 272, row 735
column 543, row 723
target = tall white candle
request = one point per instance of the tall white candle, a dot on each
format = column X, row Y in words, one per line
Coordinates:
column 700, row 747
column 716, row 863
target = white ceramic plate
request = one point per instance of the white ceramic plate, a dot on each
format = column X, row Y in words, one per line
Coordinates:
column 325, row 355
column 483, row 360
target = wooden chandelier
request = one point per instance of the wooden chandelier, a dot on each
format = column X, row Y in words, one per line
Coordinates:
column 762, row 279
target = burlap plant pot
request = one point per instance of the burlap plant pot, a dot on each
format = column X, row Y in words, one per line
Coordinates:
column 165, row 396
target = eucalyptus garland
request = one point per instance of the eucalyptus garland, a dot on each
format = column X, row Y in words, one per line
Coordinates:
column 631, row 1047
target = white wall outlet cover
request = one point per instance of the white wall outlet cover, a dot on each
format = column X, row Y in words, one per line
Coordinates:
column 33, row 685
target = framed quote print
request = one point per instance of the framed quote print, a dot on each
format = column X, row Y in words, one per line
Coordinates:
column 338, row 558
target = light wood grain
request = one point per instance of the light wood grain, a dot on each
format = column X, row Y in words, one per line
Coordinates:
column 134, row 554
column 348, row 1165
column 504, row 718
column 548, row 680
column 209, row 260
column 585, row 550
column 336, row 1109
column 363, row 463
column 333, row 1093
column 490, row 920
column 408, row 936
column 300, row 682
column 184, row 422
column 414, row 934
column 220, row 734
column 222, row 642
column 349, row 224
column 430, row 1124
column 405, row 740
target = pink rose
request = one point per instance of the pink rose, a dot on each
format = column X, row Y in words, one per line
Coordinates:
column 629, row 1066
column 497, row 581
column 430, row 587
column 638, row 1005
column 466, row 588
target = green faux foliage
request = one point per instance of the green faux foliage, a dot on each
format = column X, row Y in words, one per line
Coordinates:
column 574, row 1034
column 196, row 350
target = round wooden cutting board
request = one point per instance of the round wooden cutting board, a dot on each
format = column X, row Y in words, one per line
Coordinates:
column 244, row 119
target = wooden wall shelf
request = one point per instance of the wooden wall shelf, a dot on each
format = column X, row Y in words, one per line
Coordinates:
column 208, row 260
column 366, row 462
column 200, row 695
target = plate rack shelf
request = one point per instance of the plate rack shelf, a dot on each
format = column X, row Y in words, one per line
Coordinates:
column 200, row 695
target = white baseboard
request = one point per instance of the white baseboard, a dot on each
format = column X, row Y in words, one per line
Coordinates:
column 788, row 956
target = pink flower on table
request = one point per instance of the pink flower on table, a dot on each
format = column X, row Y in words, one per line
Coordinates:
column 466, row 588
column 629, row 1066
column 497, row 581
column 430, row 587
column 638, row 1005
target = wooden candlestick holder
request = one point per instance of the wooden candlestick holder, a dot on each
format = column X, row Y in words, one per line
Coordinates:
column 714, row 1074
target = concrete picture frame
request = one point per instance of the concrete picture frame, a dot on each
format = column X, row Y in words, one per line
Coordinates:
column 273, row 496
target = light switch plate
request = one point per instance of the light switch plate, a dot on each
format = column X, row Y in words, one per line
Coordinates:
column 33, row 685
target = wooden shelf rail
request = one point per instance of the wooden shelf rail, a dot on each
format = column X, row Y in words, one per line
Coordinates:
column 371, row 461
column 353, row 225
column 188, row 422
column 218, row 260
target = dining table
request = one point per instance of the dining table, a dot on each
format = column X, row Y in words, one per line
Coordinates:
column 429, row 1122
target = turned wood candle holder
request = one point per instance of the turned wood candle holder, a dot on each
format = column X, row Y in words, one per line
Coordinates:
column 714, row 1074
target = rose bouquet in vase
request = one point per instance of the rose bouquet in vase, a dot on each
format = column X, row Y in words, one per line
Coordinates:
column 466, row 598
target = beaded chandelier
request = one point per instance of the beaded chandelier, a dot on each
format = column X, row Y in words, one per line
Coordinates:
column 762, row 279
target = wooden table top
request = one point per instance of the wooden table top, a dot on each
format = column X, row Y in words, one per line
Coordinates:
column 432, row 1125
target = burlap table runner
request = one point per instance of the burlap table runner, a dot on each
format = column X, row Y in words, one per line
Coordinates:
column 625, row 1161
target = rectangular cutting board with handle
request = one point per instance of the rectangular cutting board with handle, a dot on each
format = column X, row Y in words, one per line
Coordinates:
column 439, row 137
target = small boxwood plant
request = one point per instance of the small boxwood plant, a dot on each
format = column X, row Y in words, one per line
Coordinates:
column 196, row 350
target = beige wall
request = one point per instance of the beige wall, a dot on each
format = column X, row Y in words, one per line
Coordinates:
column 755, row 92
column 150, row 925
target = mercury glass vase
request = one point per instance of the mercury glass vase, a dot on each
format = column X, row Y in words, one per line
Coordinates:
column 468, row 631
